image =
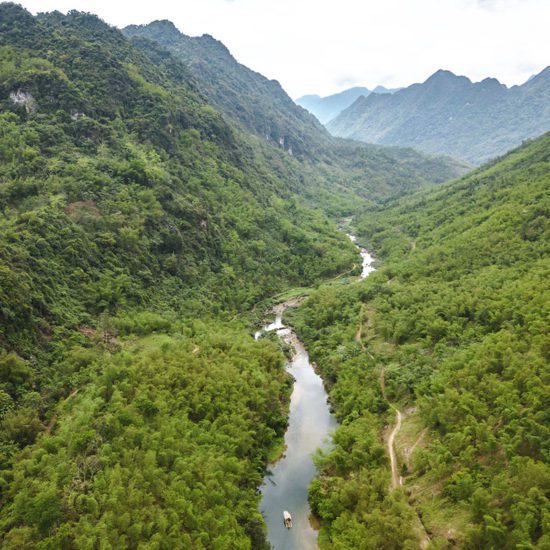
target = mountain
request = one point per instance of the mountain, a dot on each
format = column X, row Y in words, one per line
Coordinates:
column 258, row 104
column 144, row 216
column 449, row 114
column 138, row 226
column 261, row 106
column 451, row 332
column 329, row 107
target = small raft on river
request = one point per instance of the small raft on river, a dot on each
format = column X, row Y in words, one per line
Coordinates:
column 287, row 519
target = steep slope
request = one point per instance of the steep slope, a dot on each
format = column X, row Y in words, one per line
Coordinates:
column 300, row 148
column 143, row 175
column 136, row 225
column 449, row 114
column 451, row 330
column 259, row 104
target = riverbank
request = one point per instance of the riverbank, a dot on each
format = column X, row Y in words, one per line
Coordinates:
column 310, row 424
column 286, row 485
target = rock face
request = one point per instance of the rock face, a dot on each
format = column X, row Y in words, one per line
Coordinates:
column 449, row 114
column 25, row 99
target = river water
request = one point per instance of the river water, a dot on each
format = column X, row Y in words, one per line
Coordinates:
column 310, row 425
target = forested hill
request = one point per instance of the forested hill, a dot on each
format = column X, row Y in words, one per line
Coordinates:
column 120, row 185
column 136, row 224
column 261, row 106
column 451, row 330
column 449, row 114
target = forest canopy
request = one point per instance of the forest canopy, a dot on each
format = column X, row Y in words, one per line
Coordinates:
column 452, row 330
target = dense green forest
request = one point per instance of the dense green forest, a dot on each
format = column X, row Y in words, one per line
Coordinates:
column 146, row 220
column 138, row 223
column 164, row 444
column 452, row 330
column 130, row 206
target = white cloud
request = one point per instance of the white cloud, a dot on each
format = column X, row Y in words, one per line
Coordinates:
column 323, row 46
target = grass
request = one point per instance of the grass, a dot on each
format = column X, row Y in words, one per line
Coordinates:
column 442, row 519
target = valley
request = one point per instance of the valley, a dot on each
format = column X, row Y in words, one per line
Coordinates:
column 160, row 202
column 309, row 431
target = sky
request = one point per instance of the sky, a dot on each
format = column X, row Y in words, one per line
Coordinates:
column 325, row 46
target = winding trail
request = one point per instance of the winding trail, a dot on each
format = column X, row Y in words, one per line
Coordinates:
column 396, row 480
column 410, row 451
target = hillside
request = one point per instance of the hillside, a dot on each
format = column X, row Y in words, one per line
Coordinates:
column 300, row 148
column 258, row 104
column 329, row 107
column 137, row 225
column 124, row 160
column 449, row 114
column 451, row 331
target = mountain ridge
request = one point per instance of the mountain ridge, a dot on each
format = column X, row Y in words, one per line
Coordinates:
column 450, row 114
column 261, row 107
column 328, row 107
column 225, row 81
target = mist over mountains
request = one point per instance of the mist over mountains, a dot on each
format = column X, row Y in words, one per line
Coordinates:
column 329, row 107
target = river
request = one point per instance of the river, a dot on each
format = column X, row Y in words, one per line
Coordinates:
column 310, row 425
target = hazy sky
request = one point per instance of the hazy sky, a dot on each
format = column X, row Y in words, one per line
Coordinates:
column 324, row 46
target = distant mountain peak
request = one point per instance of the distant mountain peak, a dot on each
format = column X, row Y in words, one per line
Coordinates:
column 161, row 25
column 450, row 114
column 492, row 83
column 444, row 75
column 384, row 90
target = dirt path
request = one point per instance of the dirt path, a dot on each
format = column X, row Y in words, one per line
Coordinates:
column 396, row 480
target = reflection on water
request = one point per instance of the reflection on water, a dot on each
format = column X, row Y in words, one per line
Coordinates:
column 310, row 424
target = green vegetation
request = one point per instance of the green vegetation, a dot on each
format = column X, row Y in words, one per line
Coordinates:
column 165, row 442
column 143, row 218
column 454, row 323
column 142, row 197
column 130, row 207
column 450, row 115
